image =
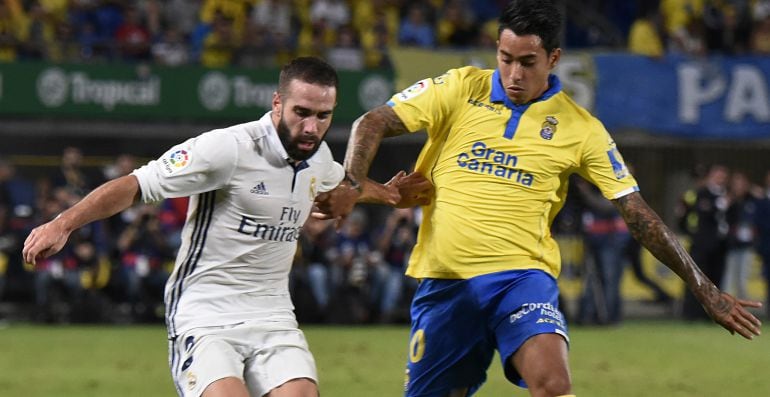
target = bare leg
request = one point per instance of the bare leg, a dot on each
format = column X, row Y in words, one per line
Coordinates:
column 302, row 387
column 542, row 363
column 225, row 387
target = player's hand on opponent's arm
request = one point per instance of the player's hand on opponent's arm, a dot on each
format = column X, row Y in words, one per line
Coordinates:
column 731, row 313
column 402, row 191
column 413, row 188
column 338, row 202
column 44, row 241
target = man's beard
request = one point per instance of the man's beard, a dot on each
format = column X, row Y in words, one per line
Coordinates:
column 291, row 144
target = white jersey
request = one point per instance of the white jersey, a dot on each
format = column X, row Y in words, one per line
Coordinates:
column 247, row 206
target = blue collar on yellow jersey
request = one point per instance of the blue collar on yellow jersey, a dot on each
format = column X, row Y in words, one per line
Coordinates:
column 498, row 95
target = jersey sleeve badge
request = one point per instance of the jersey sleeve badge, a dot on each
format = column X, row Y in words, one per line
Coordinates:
column 414, row 90
column 175, row 160
column 616, row 160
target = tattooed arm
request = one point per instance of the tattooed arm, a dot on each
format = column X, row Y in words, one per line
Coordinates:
column 653, row 234
column 365, row 138
column 402, row 191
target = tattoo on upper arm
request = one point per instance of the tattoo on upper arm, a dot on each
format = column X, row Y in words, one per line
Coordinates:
column 389, row 120
column 366, row 135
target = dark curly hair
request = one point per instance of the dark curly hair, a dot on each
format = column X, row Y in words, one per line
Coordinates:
column 541, row 18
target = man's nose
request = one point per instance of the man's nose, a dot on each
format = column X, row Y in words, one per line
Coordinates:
column 310, row 125
column 516, row 72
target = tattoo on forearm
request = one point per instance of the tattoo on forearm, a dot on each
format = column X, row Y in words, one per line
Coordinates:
column 365, row 137
column 647, row 228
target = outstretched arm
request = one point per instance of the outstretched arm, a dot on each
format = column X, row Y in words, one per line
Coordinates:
column 365, row 137
column 647, row 228
column 402, row 191
column 106, row 200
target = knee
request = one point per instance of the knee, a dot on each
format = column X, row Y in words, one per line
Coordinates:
column 551, row 386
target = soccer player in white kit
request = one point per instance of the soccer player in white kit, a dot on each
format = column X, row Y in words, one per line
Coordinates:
column 231, row 325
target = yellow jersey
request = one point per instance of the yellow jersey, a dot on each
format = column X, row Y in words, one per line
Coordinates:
column 500, row 172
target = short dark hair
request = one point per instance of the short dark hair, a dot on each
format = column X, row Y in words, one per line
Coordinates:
column 309, row 70
column 541, row 18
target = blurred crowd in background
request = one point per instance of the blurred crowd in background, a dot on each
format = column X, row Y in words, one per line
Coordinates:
column 115, row 270
column 353, row 34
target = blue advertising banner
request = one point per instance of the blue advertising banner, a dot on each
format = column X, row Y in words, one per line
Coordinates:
column 713, row 97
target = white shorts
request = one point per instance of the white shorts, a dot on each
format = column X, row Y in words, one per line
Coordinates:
column 264, row 355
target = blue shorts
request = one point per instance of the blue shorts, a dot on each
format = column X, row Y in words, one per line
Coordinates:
column 458, row 324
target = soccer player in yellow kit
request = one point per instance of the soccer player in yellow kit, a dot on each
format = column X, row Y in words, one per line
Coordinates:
column 501, row 145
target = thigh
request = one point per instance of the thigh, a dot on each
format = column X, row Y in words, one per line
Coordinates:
column 528, row 307
column 543, row 364
column 226, row 387
column 201, row 357
column 279, row 361
column 450, row 347
column 295, row 388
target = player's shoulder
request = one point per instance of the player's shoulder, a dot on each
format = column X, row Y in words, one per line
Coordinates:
column 247, row 132
column 466, row 80
column 574, row 111
column 223, row 143
column 467, row 74
column 474, row 72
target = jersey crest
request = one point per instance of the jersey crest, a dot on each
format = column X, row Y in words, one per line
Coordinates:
column 548, row 128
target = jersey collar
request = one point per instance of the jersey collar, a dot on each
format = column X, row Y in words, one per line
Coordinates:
column 498, row 91
column 274, row 142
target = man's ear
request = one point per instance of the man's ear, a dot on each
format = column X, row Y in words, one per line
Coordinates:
column 276, row 103
column 554, row 57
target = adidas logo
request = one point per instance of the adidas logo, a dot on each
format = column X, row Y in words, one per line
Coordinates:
column 259, row 189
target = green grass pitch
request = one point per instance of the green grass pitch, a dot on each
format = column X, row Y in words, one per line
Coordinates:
column 638, row 358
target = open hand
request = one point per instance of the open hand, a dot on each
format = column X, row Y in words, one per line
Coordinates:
column 731, row 313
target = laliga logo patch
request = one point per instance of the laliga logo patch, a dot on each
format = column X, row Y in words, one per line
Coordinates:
column 179, row 158
column 548, row 128
column 413, row 91
column 176, row 161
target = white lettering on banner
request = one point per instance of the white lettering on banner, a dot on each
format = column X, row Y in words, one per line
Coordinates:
column 575, row 73
column 745, row 93
column 216, row 91
column 693, row 94
column 248, row 94
column 52, row 87
column 374, row 91
column 109, row 93
column 54, row 84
